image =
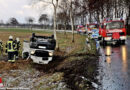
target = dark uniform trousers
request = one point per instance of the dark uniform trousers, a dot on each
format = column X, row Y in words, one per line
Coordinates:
column 11, row 56
column 11, row 50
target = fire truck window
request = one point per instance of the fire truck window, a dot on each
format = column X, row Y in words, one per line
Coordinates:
column 115, row 25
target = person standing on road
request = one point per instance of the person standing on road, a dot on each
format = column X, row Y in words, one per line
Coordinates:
column 1, row 47
column 10, row 49
column 17, row 46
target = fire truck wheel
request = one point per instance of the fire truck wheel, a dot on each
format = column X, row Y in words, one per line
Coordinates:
column 123, row 42
column 104, row 42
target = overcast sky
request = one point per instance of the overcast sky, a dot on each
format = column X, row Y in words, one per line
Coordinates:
column 20, row 9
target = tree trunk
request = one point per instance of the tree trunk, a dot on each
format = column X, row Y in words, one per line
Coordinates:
column 72, row 23
column 65, row 27
column 115, row 9
column 102, row 12
column 90, row 17
column 55, row 35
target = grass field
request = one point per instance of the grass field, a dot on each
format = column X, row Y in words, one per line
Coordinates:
column 25, row 34
column 21, row 33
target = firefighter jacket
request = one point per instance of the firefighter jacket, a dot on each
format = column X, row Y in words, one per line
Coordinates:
column 18, row 45
column 1, row 46
column 10, row 46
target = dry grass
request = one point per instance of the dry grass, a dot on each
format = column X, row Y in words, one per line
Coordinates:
column 6, row 66
column 65, row 45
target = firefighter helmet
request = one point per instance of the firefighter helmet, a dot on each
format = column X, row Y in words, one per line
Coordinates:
column 17, row 39
column 33, row 34
column 10, row 37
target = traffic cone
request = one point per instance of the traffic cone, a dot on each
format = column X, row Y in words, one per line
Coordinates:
column 1, row 84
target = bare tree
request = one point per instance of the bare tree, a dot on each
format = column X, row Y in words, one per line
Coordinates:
column 13, row 21
column 63, row 15
column 43, row 19
column 127, row 4
column 30, row 21
column 73, row 10
column 55, row 16
column 70, row 7
column 63, row 19
column 72, row 20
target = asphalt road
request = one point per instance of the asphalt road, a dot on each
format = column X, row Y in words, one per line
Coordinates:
column 114, row 70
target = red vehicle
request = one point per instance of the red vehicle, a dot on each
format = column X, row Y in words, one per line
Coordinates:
column 91, row 27
column 113, row 31
column 81, row 29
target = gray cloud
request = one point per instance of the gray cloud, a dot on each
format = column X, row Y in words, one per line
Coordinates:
column 19, row 9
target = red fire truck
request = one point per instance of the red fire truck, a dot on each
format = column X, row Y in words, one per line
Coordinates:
column 113, row 31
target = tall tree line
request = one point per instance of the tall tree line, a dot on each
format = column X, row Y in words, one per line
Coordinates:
column 96, row 10
column 75, row 12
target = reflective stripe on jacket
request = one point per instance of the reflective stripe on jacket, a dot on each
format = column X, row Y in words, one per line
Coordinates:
column 18, row 45
column 1, row 45
column 10, row 46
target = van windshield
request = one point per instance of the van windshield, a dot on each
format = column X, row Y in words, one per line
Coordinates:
column 115, row 25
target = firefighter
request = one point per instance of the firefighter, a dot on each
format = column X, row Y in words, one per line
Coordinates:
column 10, row 49
column 1, row 47
column 33, row 37
column 17, row 46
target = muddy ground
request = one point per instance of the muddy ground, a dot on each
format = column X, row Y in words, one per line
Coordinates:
column 57, row 75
